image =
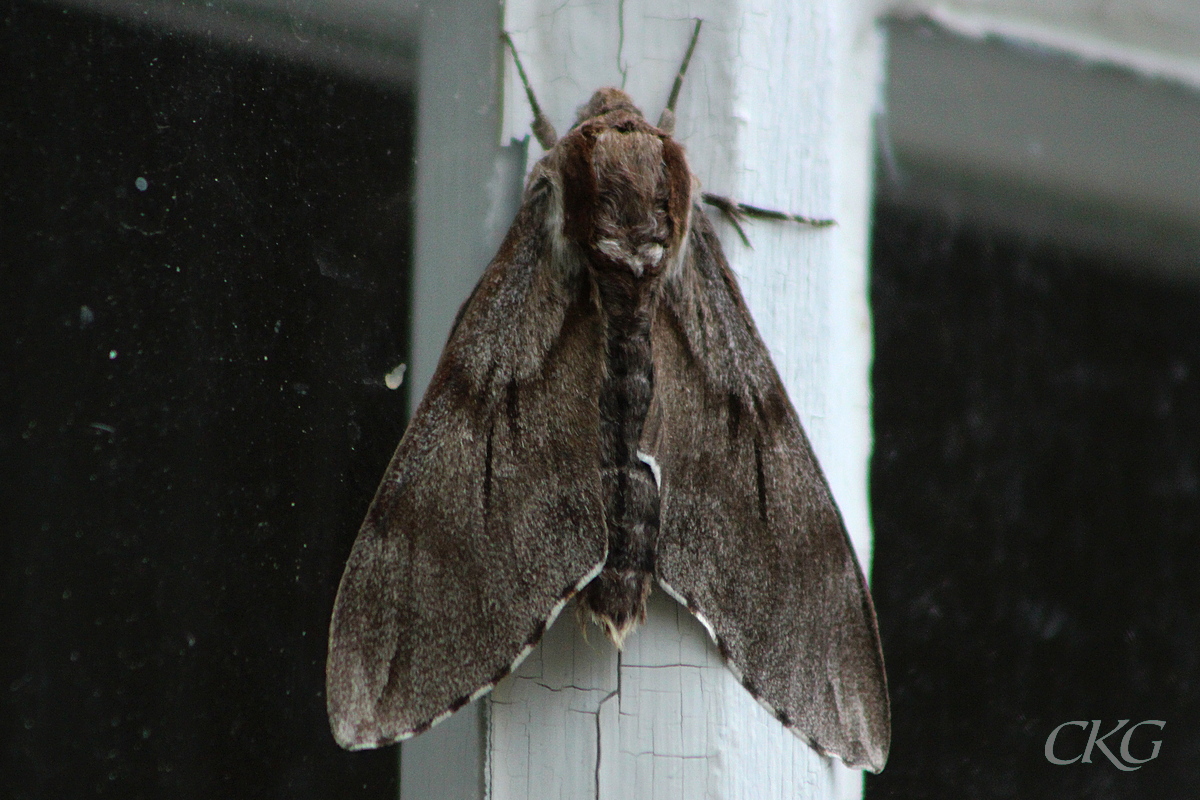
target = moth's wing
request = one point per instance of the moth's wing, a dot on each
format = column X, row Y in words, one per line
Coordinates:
column 489, row 516
column 750, row 538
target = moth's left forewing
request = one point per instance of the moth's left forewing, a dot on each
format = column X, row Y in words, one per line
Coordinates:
column 490, row 514
column 750, row 538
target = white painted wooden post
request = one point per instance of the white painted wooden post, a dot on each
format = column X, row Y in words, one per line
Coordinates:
column 464, row 199
column 775, row 112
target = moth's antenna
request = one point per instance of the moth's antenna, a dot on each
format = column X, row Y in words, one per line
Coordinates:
column 666, row 122
column 542, row 128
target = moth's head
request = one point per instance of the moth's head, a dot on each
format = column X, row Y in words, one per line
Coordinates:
column 604, row 101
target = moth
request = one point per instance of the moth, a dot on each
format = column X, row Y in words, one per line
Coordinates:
column 605, row 418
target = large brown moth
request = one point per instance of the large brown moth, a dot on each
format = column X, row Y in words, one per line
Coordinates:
column 604, row 418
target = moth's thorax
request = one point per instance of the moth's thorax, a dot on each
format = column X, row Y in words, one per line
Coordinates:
column 625, row 189
column 630, row 228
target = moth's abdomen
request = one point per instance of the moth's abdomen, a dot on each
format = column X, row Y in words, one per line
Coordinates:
column 617, row 597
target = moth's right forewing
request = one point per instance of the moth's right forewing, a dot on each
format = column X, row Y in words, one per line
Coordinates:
column 750, row 538
column 490, row 515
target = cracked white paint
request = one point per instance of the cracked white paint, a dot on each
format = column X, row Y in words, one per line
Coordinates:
column 665, row 719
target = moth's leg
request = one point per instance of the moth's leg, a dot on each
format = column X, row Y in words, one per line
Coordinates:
column 542, row 128
column 666, row 122
column 737, row 212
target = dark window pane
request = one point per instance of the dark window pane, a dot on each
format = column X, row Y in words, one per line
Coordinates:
column 204, row 259
column 1036, row 498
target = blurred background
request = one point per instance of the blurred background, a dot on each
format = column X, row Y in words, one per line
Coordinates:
column 1035, row 293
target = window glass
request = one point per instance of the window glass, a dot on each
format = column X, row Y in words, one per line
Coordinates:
column 205, row 257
